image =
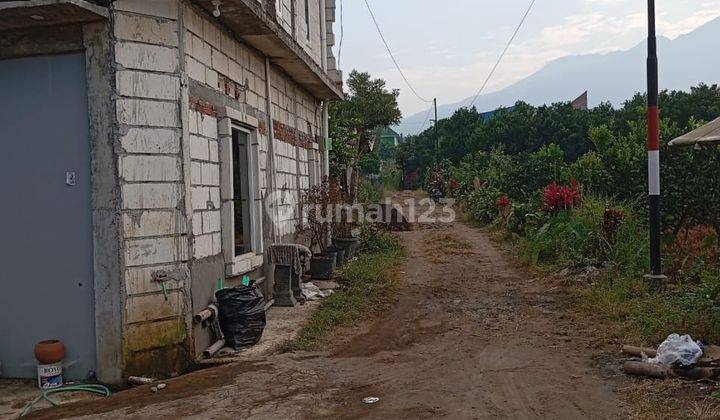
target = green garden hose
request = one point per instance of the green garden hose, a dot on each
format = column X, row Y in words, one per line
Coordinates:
column 45, row 395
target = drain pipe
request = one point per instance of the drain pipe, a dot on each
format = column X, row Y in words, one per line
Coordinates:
column 324, row 66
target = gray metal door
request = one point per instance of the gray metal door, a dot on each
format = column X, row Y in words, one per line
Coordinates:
column 46, row 270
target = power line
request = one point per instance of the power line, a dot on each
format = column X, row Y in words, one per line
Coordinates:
column 507, row 47
column 427, row 117
column 407, row 82
column 342, row 34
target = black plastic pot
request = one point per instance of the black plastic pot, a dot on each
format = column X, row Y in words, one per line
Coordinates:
column 339, row 255
column 348, row 244
column 322, row 266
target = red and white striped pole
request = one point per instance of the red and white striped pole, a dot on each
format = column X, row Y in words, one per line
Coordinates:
column 653, row 144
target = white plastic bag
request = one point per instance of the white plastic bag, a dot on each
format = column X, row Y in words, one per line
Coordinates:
column 678, row 350
column 312, row 292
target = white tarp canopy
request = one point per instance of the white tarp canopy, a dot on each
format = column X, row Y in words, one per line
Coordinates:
column 706, row 135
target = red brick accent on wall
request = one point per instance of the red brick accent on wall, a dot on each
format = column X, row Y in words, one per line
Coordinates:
column 291, row 135
column 204, row 107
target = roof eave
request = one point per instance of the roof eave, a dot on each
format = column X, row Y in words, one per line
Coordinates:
column 251, row 23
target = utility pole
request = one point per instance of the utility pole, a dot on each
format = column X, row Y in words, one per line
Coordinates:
column 437, row 140
column 655, row 278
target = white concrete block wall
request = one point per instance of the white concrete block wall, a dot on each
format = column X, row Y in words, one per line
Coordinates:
column 205, row 182
column 147, row 83
column 212, row 55
column 312, row 44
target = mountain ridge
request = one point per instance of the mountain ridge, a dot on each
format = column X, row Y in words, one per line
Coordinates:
column 608, row 77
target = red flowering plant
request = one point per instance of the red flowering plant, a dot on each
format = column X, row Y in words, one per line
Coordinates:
column 612, row 219
column 453, row 185
column 561, row 197
column 502, row 201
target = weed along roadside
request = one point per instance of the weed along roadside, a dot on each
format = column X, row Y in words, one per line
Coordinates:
column 367, row 286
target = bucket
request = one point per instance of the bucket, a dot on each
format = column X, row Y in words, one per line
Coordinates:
column 50, row 376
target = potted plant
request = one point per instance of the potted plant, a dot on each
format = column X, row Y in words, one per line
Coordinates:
column 315, row 224
column 344, row 221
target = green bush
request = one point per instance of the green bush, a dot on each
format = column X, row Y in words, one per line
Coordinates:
column 368, row 192
column 374, row 240
column 481, row 204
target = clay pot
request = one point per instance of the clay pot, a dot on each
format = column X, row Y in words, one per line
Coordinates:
column 48, row 352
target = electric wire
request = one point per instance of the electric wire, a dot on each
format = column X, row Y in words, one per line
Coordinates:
column 507, row 47
column 422, row 127
column 342, row 34
column 392, row 56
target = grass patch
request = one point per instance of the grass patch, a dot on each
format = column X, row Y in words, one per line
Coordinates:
column 368, row 285
column 578, row 239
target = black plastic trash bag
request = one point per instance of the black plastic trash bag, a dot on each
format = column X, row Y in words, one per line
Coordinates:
column 242, row 315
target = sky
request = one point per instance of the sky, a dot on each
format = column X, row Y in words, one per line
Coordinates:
column 447, row 48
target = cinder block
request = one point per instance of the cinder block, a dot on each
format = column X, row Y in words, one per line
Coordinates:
column 200, row 198
column 219, row 62
column 199, row 148
column 136, row 168
column 150, row 140
column 143, row 223
column 193, row 117
column 196, row 173
column 211, row 221
column 155, row 251
column 146, row 29
column 211, row 33
column 197, row 223
column 211, row 78
column 227, row 45
column 192, row 20
column 217, row 243
column 203, row 246
column 150, row 196
column 147, row 113
column 213, row 151
column 195, row 69
column 152, row 307
column 211, row 174
column 202, row 51
column 208, row 126
column 139, row 280
column 162, row 8
column 146, row 57
column 215, row 197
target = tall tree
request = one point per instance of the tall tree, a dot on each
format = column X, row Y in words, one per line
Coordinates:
column 368, row 105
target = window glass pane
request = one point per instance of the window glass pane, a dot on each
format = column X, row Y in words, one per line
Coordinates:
column 239, row 166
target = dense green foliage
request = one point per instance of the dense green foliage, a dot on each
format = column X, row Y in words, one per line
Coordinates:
column 521, row 150
column 512, row 171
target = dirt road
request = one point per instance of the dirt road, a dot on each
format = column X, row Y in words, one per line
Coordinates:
column 470, row 336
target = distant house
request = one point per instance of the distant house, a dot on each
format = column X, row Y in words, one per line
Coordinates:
column 581, row 102
column 390, row 137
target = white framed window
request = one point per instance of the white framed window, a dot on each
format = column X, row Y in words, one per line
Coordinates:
column 241, row 208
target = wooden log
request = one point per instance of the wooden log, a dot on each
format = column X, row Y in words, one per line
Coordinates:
column 654, row 370
column 638, row 351
column 650, row 370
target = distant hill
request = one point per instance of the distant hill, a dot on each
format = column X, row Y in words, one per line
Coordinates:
column 684, row 62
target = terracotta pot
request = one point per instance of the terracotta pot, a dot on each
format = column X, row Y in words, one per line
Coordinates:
column 48, row 352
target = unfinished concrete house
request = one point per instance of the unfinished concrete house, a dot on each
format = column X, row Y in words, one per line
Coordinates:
column 140, row 141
